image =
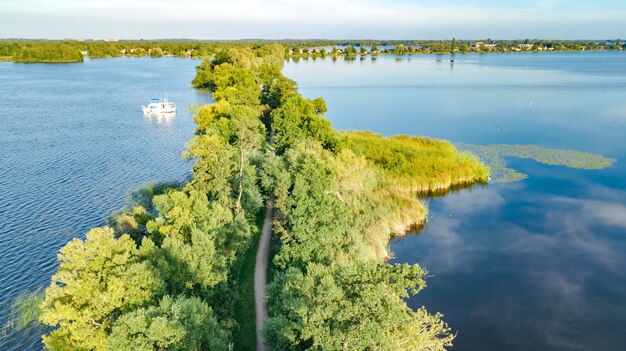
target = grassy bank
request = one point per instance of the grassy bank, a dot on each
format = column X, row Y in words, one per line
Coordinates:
column 418, row 164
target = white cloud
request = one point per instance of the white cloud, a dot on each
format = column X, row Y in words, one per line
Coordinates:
column 609, row 213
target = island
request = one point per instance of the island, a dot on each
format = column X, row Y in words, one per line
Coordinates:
column 176, row 270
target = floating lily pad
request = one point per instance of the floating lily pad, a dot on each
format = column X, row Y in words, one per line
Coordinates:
column 493, row 157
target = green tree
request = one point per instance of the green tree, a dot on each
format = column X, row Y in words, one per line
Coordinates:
column 236, row 85
column 350, row 50
column 300, row 118
column 181, row 324
column 98, row 280
column 215, row 163
column 321, row 227
column 249, row 135
column 453, row 46
column 356, row 307
column 200, row 241
column 399, row 50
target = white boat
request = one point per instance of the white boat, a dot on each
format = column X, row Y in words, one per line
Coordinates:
column 159, row 107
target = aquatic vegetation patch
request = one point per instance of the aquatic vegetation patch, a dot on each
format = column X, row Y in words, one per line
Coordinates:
column 493, row 157
column 24, row 312
column 417, row 163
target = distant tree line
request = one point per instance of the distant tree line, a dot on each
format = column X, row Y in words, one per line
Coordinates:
column 352, row 48
column 72, row 51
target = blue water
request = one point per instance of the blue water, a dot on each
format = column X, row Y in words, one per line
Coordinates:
column 533, row 265
column 73, row 144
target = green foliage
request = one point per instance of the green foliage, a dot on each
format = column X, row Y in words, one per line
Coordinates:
column 417, row 163
column 213, row 167
column 156, row 52
column 98, row 280
column 173, row 268
column 321, row 227
column 334, row 218
column 246, row 59
column 354, row 307
column 618, row 45
column 350, row 50
column 103, row 50
column 200, row 241
column 276, row 87
column 235, row 85
column 400, row 50
column 493, row 156
column 181, row 324
column 204, row 75
column 299, row 118
column 48, row 53
column 251, row 55
column 181, row 213
column 133, row 223
column 8, row 49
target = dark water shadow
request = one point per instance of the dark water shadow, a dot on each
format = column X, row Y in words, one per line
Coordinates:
column 433, row 194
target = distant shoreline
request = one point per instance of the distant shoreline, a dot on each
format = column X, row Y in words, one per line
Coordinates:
column 58, row 51
column 314, row 57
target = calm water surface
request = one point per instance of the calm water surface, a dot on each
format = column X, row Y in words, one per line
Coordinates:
column 73, row 143
column 532, row 265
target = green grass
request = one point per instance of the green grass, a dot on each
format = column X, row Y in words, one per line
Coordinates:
column 418, row 163
column 25, row 312
column 493, row 156
column 244, row 337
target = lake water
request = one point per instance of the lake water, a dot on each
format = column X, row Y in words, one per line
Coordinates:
column 73, row 144
column 532, row 265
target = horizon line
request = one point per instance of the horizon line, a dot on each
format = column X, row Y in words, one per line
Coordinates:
column 296, row 39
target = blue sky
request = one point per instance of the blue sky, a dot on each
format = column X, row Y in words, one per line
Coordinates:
column 333, row 19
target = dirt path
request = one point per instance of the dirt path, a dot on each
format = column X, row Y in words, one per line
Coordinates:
column 260, row 276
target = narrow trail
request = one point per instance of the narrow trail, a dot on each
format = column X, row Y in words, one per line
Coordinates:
column 260, row 276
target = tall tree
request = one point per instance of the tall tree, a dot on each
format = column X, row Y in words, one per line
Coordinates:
column 355, row 307
column 98, row 280
column 181, row 324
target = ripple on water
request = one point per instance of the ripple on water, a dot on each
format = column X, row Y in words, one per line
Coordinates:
column 72, row 144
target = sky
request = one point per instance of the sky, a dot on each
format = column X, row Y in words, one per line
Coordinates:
column 311, row 19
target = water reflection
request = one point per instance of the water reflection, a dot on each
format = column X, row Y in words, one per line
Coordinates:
column 513, row 269
column 161, row 118
column 68, row 156
column 532, row 265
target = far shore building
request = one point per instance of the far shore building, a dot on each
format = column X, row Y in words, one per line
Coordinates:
column 479, row 45
column 525, row 47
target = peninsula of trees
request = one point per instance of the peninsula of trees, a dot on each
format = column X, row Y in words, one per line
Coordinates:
column 49, row 51
column 170, row 272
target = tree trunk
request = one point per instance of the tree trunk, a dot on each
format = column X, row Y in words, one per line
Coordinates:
column 238, row 204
